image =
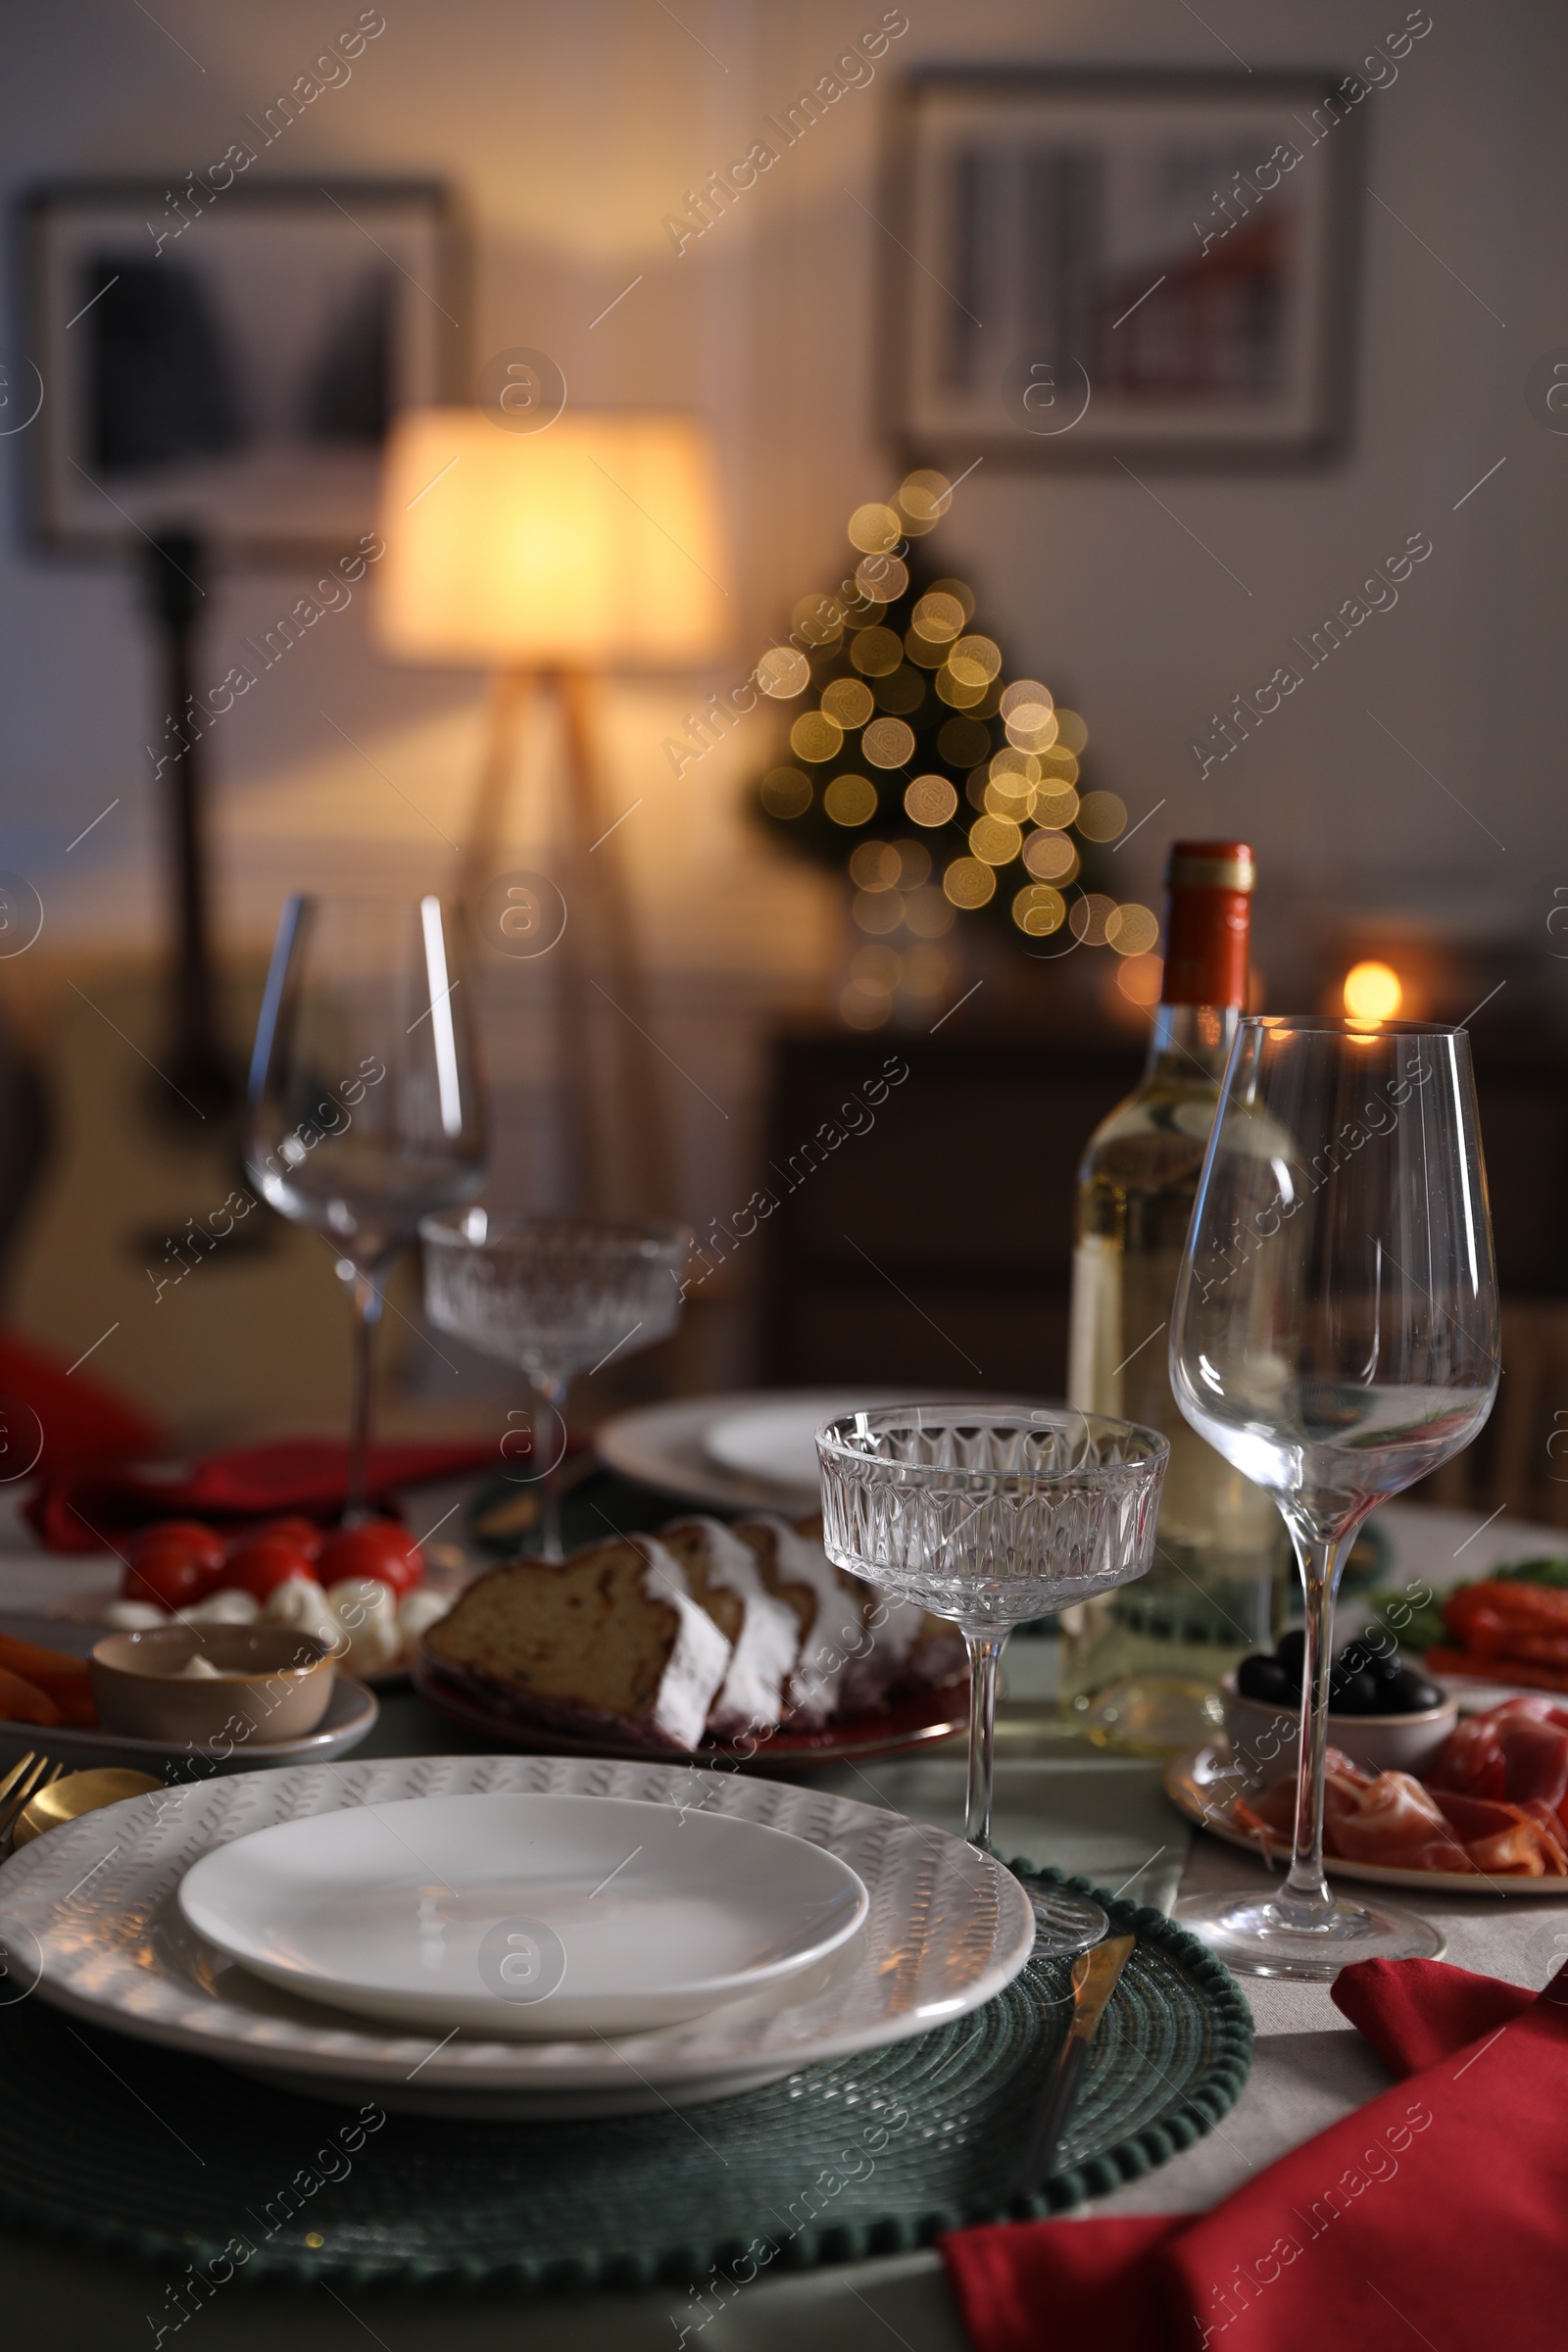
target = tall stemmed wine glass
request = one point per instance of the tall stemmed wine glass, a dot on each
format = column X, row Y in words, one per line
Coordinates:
column 365, row 1109
column 553, row 1296
column 990, row 1516
column 1334, row 1337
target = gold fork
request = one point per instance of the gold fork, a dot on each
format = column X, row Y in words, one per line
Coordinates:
column 22, row 1782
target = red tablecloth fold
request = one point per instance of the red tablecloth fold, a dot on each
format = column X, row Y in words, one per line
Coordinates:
column 84, row 1511
column 1437, row 2213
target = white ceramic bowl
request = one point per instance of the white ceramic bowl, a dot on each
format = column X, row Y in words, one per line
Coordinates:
column 1266, row 1737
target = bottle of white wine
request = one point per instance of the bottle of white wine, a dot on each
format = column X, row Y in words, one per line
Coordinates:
column 1142, row 1666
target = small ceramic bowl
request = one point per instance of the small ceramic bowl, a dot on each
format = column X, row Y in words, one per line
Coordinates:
column 271, row 1683
column 1266, row 1736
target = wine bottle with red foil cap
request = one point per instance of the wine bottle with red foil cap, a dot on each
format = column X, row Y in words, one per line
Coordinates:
column 1142, row 1666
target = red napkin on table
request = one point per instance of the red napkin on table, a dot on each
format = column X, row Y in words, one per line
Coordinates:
column 86, row 1509
column 67, row 1416
column 1437, row 2213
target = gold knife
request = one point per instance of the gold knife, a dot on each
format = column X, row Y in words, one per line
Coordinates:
column 1093, row 1980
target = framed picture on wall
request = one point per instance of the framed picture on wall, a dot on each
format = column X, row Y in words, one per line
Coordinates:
column 226, row 362
column 1086, row 265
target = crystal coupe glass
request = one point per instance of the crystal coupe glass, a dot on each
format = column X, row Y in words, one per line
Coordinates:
column 1335, row 1336
column 555, row 1296
column 991, row 1516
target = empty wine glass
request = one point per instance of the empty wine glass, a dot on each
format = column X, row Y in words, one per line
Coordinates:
column 555, row 1296
column 365, row 1108
column 991, row 1516
column 1334, row 1337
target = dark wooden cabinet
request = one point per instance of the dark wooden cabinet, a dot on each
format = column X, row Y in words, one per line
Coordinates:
column 935, row 1244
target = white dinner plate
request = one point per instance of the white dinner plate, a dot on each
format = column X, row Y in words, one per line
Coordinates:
column 349, row 1717
column 1204, row 1783
column 676, row 1447
column 535, row 1915
column 91, row 1914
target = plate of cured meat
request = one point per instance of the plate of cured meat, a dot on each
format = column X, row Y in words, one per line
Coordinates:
column 1489, row 1817
column 736, row 1644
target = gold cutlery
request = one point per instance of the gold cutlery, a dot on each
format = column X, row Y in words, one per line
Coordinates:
column 62, row 1800
column 1093, row 1980
column 29, row 1773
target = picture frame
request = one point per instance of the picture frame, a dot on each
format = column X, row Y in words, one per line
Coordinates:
column 1086, row 267
column 225, row 358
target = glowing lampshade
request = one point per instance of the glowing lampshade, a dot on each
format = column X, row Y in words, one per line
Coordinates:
column 594, row 545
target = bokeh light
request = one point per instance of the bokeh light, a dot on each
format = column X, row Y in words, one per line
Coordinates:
column 819, row 618
column 927, row 652
column 996, row 840
column 888, row 743
column 964, row 694
column 875, row 652
column 815, row 737
column 786, row 792
column 878, row 910
column 1029, row 696
column 849, row 701
column 1140, row 979
column 863, row 1008
column 930, row 801
column 850, row 800
column 1088, row 916
column 914, row 863
column 924, row 497
column 1132, row 930
column 975, row 661
column 1071, row 732
column 939, row 616
column 1054, row 810
column 783, row 672
column 969, row 882
column 1373, row 992
column 875, row 866
column 875, row 529
column 1051, row 857
column 878, row 971
column 883, row 578
column 1039, row 910
column 1101, row 815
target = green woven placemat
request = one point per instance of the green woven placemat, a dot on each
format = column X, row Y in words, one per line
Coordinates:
column 146, row 2151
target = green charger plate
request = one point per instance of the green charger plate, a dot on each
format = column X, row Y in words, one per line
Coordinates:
column 145, row 2151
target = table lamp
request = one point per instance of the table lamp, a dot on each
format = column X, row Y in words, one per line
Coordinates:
column 551, row 559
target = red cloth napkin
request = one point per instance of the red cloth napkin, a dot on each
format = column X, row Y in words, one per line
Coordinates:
column 84, row 1511
column 66, row 1416
column 1437, row 2213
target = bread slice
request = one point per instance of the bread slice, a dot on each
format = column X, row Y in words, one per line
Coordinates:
column 609, row 1644
column 722, row 1572
column 830, row 1608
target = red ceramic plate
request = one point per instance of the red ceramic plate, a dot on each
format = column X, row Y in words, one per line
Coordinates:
column 907, row 1723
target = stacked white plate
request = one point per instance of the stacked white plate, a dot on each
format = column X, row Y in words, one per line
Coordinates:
column 264, row 1922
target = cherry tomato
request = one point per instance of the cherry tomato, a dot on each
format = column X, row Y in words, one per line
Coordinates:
column 170, row 1578
column 302, row 1532
column 203, row 1545
column 259, row 1566
column 379, row 1549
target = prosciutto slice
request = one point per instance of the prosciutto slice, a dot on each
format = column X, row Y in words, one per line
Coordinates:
column 1399, row 1824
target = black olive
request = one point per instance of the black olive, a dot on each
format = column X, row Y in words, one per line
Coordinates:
column 1290, row 1652
column 1357, row 1694
column 1409, row 1692
column 1263, row 1678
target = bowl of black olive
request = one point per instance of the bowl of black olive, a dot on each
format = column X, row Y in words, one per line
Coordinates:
column 1384, row 1715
